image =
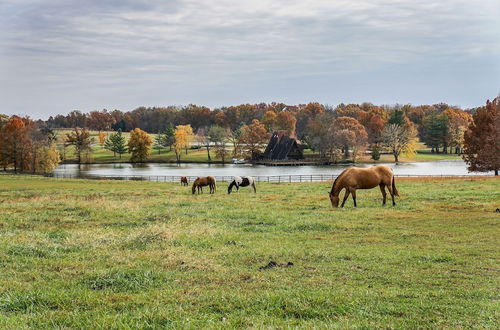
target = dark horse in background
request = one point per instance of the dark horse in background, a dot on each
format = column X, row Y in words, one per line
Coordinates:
column 241, row 181
column 202, row 182
column 184, row 181
column 363, row 178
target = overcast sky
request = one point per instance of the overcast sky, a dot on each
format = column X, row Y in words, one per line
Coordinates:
column 61, row 55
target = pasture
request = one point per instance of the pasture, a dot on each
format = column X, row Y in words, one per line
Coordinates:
column 114, row 254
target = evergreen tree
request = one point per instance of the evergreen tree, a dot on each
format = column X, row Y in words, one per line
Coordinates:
column 159, row 142
column 397, row 117
column 435, row 131
column 116, row 143
column 169, row 136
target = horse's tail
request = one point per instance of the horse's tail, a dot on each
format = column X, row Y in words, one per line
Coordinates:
column 394, row 189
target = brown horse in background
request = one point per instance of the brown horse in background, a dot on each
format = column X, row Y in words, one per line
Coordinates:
column 202, row 182
column 184, row 181
column 363, row 178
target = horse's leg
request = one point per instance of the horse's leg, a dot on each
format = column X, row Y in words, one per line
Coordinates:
column 384, row 194
column 254, row 189
column 346, row 195
column 353, row 193
column 389, row 187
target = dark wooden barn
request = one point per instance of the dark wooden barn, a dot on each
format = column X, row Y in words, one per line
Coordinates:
column 283, row 147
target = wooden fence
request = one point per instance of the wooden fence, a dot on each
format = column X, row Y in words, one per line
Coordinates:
column 259, row 178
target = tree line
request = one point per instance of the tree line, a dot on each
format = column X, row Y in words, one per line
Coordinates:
column 347, row 128
column 333, row 132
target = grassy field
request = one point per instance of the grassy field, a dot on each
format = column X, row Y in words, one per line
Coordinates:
column 111, row 254
column 101, row 155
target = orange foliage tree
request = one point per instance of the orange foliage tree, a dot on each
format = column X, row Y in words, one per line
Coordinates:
column 102, row 138
column 269, row 120
column 286, row 121
column 15, row 144
column 26, row 147
column 252, row 138
column 482, row 139
column 349, row 135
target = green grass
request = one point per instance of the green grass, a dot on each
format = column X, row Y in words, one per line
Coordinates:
column 112, row 254
column 101, row 155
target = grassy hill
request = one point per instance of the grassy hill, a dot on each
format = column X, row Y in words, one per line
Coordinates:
column 114, row 254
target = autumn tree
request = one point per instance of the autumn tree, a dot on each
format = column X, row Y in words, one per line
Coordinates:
column 252, row 137
column 286, row 121
column 116, row 143
column 100, row 120
column 139, row 145
column 305, row 115
column 183, row 136
column 458, row 122
column 482, row 139
column 15, row 144
column 399, row 139
column 3, row 120
column 348, row 134
column 374, row 125
column 318, row 137
column 102, row 138
column 218, row 136
column 269, row 120
column 27, row 147
column 81, row 140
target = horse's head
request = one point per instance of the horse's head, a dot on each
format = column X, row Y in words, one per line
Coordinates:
column 195, row 184
column 230, row 187
column 334, row 199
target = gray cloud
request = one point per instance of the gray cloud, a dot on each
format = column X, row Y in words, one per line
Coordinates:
column 56, row 56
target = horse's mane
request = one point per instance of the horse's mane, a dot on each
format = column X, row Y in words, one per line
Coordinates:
column 336, row 179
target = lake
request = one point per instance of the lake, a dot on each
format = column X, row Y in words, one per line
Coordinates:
column 444, row 167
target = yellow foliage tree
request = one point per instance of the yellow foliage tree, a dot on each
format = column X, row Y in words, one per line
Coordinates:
column 47, row 158
column 102, row 138
column 139, row 145
column 183, row 136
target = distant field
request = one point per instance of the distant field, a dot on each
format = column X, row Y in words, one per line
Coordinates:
column 101, row 155
column 116, row 254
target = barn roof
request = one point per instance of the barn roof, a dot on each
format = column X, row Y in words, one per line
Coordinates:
column 280, row 146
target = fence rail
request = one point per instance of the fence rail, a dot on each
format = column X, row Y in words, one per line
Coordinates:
column 259, row 178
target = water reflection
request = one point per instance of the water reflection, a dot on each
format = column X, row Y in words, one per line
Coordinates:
column 445, row 167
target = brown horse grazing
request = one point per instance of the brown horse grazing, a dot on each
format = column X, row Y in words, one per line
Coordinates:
column 363, row 178
column 184, row 181
column 202, row 182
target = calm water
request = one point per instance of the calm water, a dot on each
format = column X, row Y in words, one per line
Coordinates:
column 447, row 167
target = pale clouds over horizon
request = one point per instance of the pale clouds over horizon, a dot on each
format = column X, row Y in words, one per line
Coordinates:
column 61, row 55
